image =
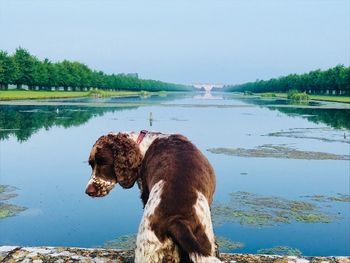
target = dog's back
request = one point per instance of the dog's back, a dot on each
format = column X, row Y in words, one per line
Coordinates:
column 177, row 184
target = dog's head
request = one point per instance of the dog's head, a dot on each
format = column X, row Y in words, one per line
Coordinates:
column 114, row 158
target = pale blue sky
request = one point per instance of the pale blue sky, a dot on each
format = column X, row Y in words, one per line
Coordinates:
column 183, row 41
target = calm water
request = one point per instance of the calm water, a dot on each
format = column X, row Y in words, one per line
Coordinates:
column 44, row 148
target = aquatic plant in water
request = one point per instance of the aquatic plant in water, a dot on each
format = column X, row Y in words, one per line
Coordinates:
column 255, row 210
column 325, row 134
column 225, row 244
column 7, row 210
column 280, row 250
column 7, row 192
column 125, row 242
column 324, row 198
column 278, row 151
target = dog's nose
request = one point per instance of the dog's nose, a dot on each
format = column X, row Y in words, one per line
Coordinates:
column 90, row 189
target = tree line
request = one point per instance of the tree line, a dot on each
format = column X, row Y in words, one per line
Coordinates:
column 23, row 69
column 333, row 81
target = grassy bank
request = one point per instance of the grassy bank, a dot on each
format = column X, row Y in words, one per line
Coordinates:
column 343, row 99
column 331, row 98
column 31, row 94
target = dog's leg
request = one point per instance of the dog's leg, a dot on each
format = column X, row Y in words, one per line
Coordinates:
column 149, row 249
column 147, row 244
column 199, row 244
column 203, row 212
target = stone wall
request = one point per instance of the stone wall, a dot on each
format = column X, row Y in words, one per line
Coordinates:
column 61, row 254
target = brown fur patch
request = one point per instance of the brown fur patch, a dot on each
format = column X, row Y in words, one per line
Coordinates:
column 185, row 171
column 127, row 159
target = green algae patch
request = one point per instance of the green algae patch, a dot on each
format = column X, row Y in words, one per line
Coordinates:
column 281, row 251
column 177, row 119
column 225, row 244
column 7, row 188
column 5, row 197
column 278, row 151
column 325, row 198
column 261, row 211
column 125, row 242
column 8, row 210
column 312, row 218
column 7, row 192
column 325, row 134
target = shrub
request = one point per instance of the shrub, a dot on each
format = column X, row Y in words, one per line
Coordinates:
column 297, row 96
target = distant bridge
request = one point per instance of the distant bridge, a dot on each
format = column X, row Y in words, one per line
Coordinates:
column 207, row 86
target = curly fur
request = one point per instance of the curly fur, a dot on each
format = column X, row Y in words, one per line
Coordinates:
column 127, row 159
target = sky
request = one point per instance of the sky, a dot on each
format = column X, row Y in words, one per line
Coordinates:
column 183, row 41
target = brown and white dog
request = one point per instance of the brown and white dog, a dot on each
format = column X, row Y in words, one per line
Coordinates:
column 177, row 184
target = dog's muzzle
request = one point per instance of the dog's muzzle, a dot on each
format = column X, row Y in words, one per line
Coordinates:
column 98, row 187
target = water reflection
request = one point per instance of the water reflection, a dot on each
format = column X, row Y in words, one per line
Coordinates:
column 313, row 111
column 332, row 117
column 24, row 121
column 208, row 96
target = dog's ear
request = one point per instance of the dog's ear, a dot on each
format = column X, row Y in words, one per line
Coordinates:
column 127, row 159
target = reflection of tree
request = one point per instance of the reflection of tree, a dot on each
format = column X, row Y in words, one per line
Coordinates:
column 336, row 118
column 24, row 121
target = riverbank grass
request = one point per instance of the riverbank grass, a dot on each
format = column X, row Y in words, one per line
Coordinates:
column 343, row 99
column 32, row 94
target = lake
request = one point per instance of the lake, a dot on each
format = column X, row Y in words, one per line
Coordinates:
column 282, row 169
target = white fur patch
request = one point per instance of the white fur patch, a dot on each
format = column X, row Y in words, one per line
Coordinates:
column 148, row 246
column 203, row 213
column 147, row 140
column 103, row 187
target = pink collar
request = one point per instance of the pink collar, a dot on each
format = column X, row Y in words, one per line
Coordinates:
column 141, row 136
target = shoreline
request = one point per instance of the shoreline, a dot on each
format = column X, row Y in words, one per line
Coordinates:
column 15, row 95
column 329, row 98
column 69, row 254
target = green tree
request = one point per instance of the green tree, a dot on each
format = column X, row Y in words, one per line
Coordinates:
column 335, row 80
column 8, row 70
column 24, row 69
column 26, row 66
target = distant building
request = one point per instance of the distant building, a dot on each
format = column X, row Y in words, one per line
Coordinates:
column 207, row 86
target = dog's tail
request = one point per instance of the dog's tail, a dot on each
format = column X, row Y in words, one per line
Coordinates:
column 191, row 241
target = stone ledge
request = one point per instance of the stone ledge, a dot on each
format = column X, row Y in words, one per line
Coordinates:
column 62, row 254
